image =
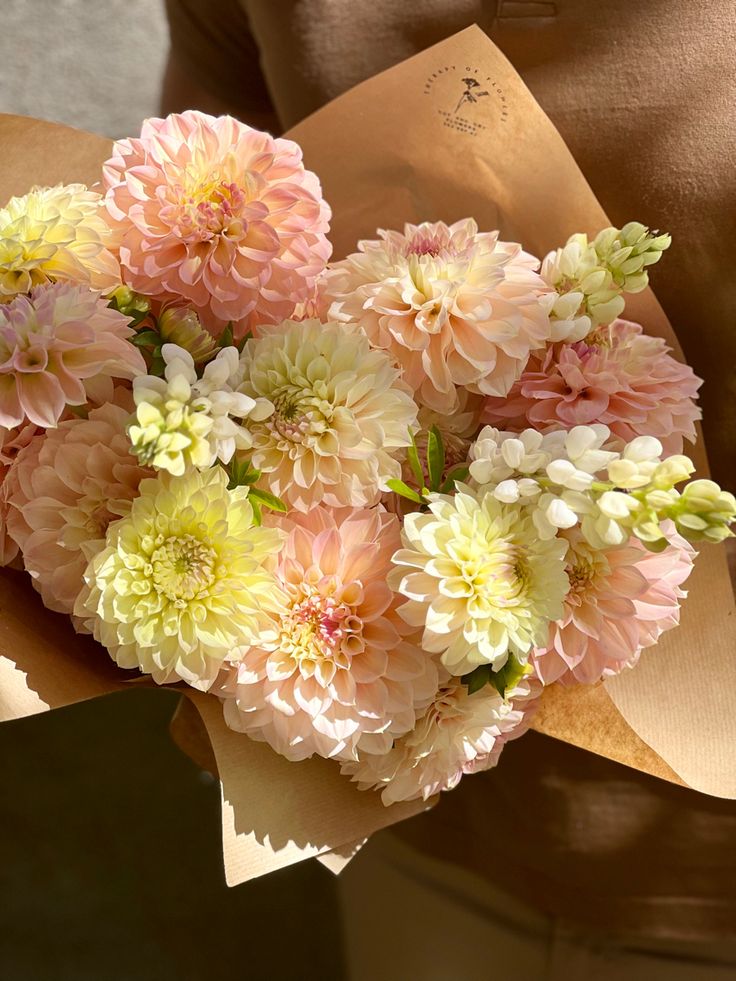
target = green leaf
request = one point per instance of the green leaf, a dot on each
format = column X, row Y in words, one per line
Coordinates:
column 457, row 473
column 146, row 338
column 412, row 455
column 477, row 679
column 243, row 341
column 242, row 473
column 399, row 487
column 509, row 675
column 257, row 513
column 435, row 458
column 267, row 500
column 226, row 338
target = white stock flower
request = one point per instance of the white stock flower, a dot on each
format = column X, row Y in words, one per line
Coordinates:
column 183, row 420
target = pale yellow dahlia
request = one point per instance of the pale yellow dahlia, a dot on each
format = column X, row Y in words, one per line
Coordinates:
column 478, row 579
column 342, row 414
column 455, row 307
column 55, row 233
column 183, row 580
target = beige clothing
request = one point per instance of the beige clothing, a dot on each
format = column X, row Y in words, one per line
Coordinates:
column 643, row 94
column 407, row 915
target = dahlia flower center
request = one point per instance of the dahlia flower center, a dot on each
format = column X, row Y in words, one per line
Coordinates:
column 297, row 415
column 209, row 207
column 424, row 243
column 321, row 627
column 499, row 577
column 584, row 572
column 183, row 567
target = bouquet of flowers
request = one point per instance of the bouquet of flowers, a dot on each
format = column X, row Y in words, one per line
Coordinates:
column 370, row 506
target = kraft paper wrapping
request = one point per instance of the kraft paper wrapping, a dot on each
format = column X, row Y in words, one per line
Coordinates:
column 395, row 149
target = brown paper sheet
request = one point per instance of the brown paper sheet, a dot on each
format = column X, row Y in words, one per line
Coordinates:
column 389, row 151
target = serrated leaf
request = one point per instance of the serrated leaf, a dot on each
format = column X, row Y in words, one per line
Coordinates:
column 399, row 487
column 268, row 500
column 412, row 455
column 457, row 473
column 435, row 458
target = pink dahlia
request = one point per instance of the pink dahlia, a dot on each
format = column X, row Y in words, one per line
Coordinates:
column 220, row 214
column 64, row 489
column 617, row 376
column 12, row 441
column 454, row 306
column 459, row 733
column 620, row 601
column 342, row 663
column 57, row 347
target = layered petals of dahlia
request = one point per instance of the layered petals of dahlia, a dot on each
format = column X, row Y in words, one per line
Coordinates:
column 222, row 215
column 478, row 579
column 64, row 490
column 56, row 233
column 341, row 416
column 621, row 600
column 182, row 580
column 60, row 346
column 455, row 307
column 459, row 733
column 343, row 664
column 618, row 376
column 12, row 441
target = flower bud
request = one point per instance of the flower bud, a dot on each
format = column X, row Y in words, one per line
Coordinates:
column 181, row 326
column 131, row 304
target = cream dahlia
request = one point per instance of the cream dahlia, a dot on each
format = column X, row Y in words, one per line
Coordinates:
column 64, row 490
column 618, row 376
column 457, row 734
column 454, row 306
column 218, row 213
column 55, row 233
column 342, row 663
column 57, row 346
column 12, row 441
column 478, row 579
column 342, row 414
column 620, row 601
column 182, row 580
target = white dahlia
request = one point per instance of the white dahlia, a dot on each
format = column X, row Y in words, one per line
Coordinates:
column 479, row 580
column 341, row 418
column 454, row 306
column 459, row 733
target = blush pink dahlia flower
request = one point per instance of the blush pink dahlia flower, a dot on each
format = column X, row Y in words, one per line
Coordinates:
column 617, row 376
column 454, row 306
column 342, row 663
column 12, row 441
column 218, row 213
column 64, row 490
column 459, row 733
column 620, row 601
column 58, row 347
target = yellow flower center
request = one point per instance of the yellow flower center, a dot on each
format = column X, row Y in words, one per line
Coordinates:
column 183, row 567
column 320, row 627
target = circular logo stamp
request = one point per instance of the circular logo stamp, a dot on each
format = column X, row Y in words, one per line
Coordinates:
column 464, row 97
